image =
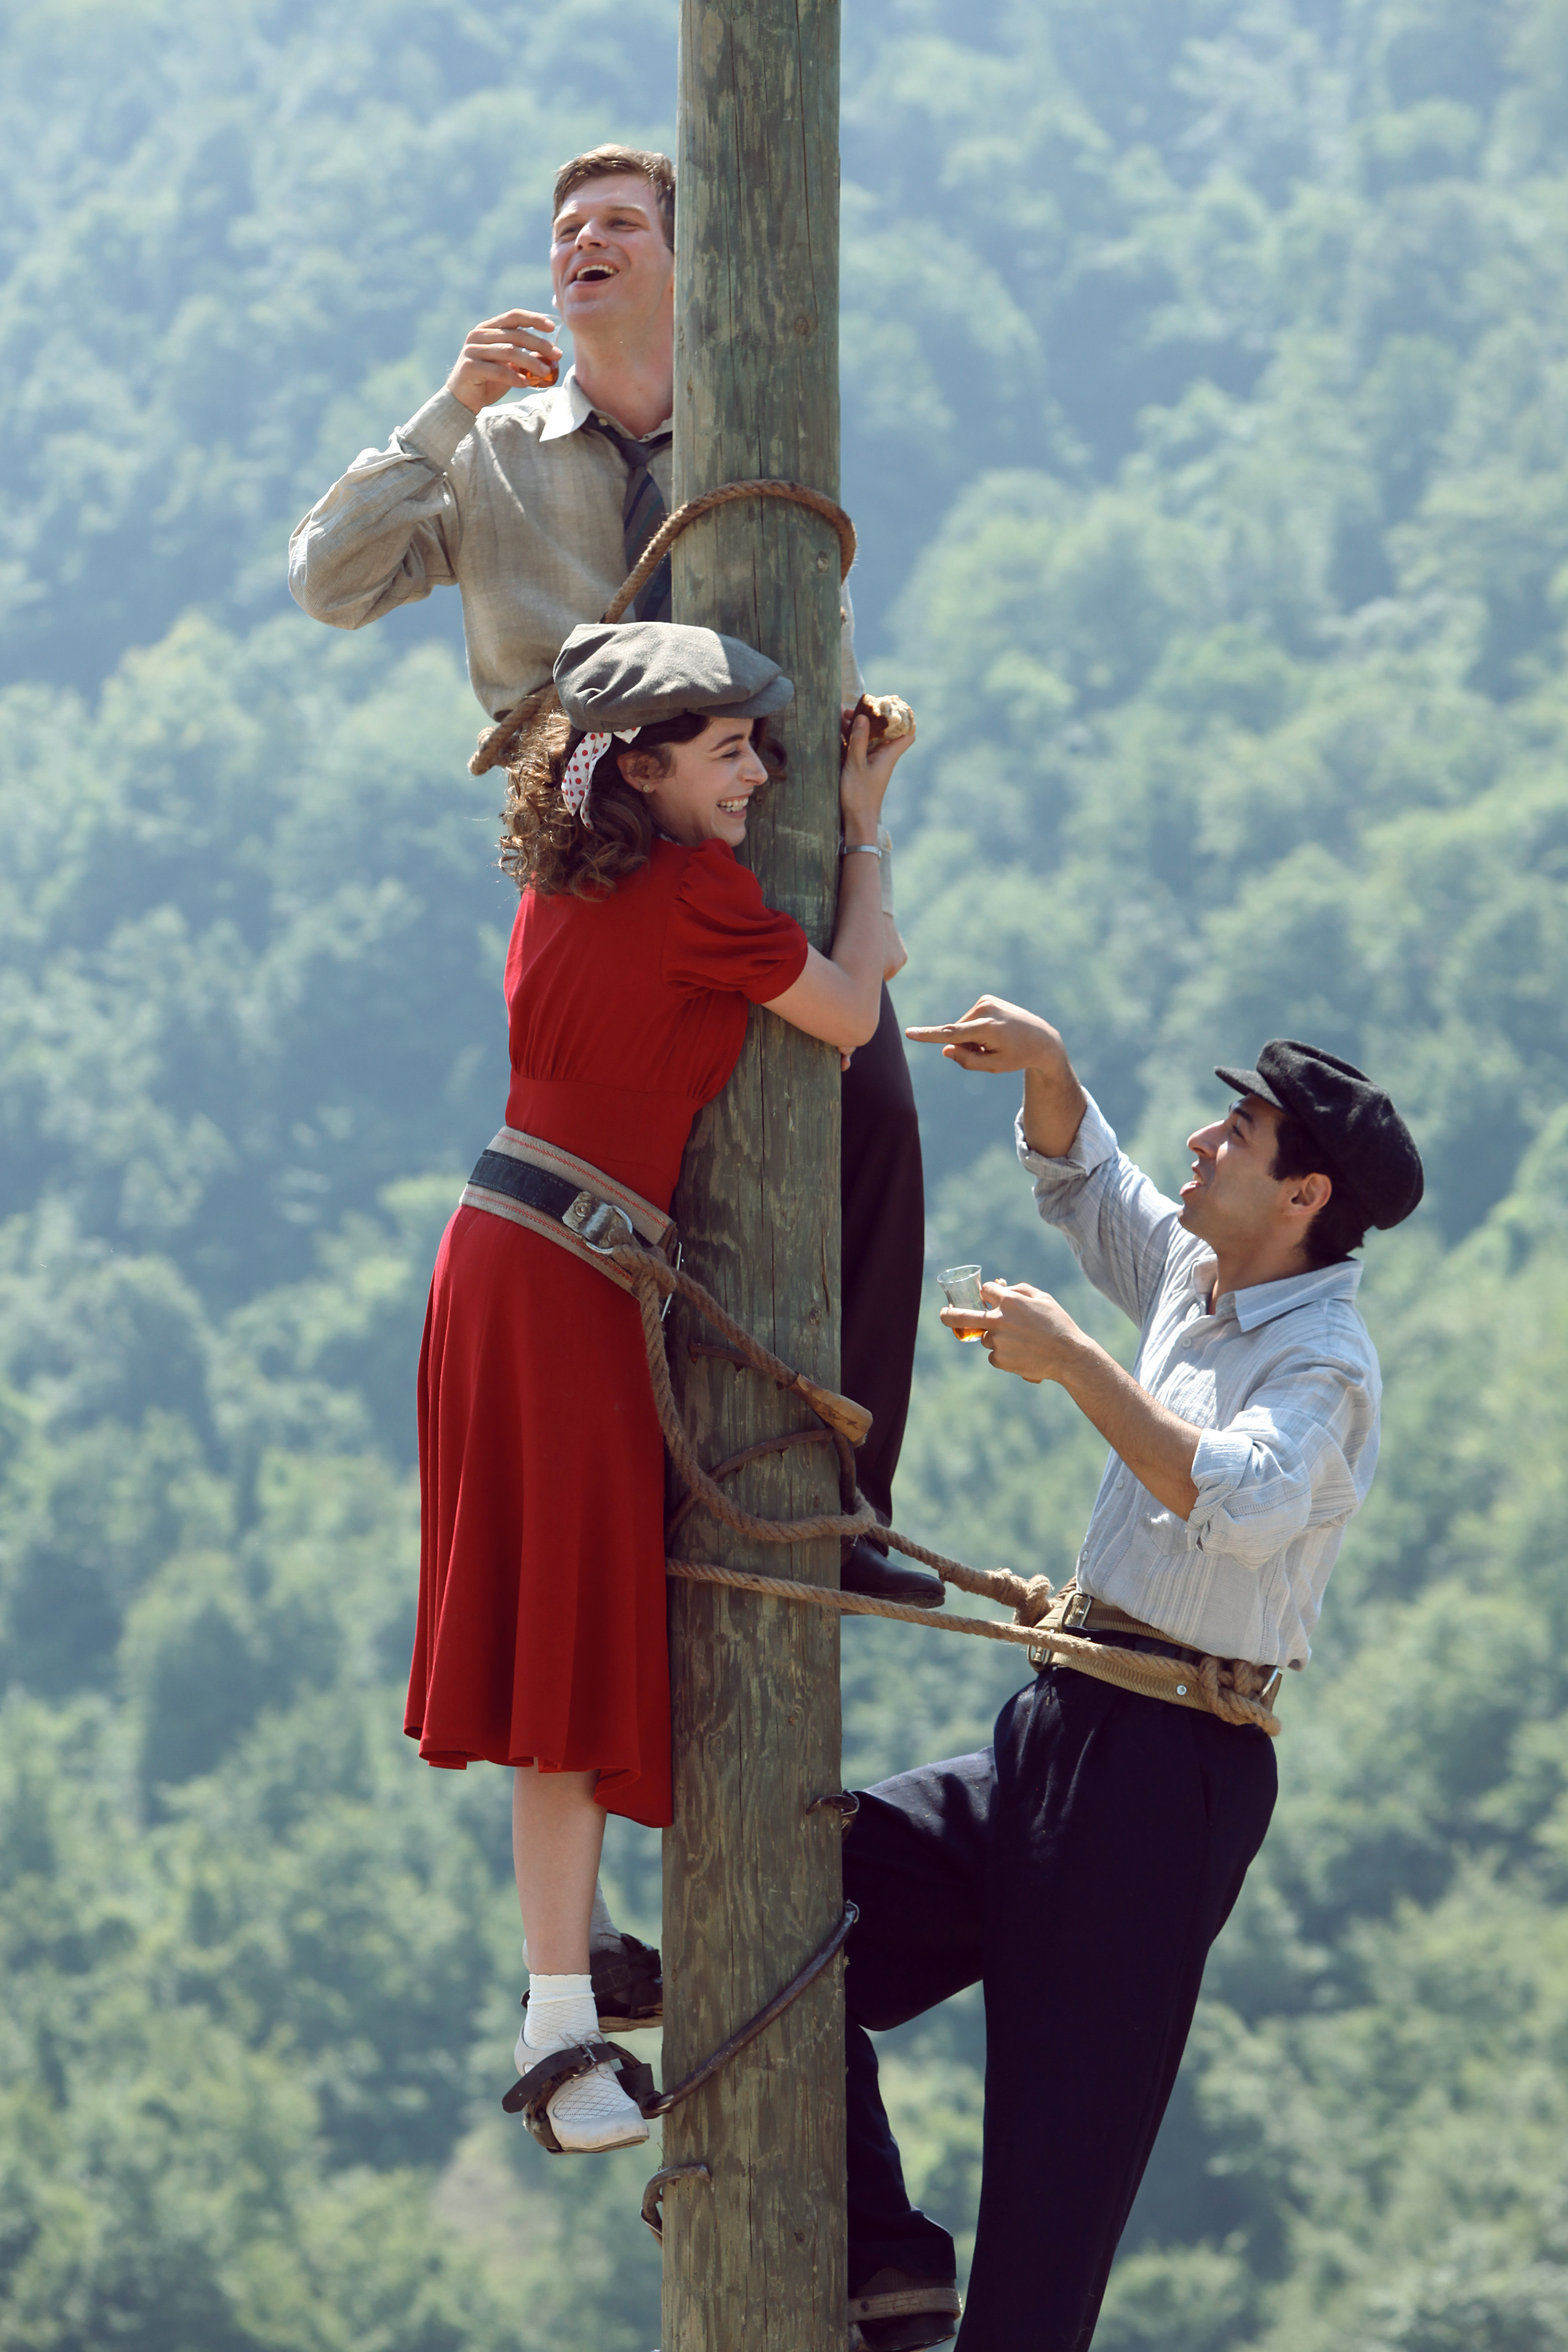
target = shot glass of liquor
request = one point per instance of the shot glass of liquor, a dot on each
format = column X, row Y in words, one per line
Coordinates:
column 962, row 1286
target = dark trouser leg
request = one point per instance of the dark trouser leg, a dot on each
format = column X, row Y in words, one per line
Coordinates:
column 883, row 1197
column 1120, row 1832
column 915, row 1862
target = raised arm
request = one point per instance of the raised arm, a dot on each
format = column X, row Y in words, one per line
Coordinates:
column 996, row 1036
column 388, row 532
column 851, row 686
column 839, row 996
column 1118, row 1225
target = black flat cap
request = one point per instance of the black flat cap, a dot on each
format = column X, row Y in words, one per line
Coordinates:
column 1366, row 1146
column 612, row 674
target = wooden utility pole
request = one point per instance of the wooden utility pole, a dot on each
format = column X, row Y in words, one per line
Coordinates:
column 752, row 1883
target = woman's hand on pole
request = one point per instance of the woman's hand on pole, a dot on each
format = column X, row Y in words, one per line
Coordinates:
column 864, row 778
column 839, row 996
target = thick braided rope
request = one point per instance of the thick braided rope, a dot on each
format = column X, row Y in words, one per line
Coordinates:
column 1151, row 1675
column 496, row 742
column 653, row 1273
column 850, row 1604
column 1144, row 1672
column 707, row 502
column 653, row 1277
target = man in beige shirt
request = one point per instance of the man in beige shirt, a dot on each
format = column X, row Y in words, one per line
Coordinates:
column 516, row 505
column 529, row 507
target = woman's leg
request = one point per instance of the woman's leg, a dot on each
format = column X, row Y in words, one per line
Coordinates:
column 557, row 1832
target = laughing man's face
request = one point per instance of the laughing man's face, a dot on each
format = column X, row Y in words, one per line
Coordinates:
column 1232, row 1196
column 609, row 259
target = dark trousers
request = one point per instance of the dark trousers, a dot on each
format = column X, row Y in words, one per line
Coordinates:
column 1081, row 1868
column 883, row 1197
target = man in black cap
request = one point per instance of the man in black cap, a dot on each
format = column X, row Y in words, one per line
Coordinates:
column 1082, row 1865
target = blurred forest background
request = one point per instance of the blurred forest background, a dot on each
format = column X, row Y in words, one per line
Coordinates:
column 1206, row 424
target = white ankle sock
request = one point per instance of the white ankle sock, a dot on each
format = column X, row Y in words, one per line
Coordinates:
column 593, row 2112
column 560, row 2010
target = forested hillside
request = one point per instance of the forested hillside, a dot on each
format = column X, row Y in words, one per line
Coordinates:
column 1206, row 427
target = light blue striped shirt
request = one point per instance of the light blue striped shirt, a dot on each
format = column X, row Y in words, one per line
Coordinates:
column 1282, row 1380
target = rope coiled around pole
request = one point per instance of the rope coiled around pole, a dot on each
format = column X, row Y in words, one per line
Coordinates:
column 498, row 742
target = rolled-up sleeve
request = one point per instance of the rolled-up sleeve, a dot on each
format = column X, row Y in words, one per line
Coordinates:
column 389, row 532
column 1300, row 1455
column 1118, row 1225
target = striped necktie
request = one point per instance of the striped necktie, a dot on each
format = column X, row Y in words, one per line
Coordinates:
column 642, row 511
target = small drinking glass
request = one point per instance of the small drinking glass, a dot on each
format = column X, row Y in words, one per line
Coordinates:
column 962, row 1284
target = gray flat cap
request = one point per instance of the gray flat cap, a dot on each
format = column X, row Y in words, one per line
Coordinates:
column 611, row 675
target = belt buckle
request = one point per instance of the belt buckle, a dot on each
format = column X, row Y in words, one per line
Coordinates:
column 1078, row 1610
column 594, row 1222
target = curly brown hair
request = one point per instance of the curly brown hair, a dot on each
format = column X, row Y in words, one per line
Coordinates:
column 544, row 848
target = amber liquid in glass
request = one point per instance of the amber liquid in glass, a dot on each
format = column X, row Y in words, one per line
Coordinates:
column 968, row 1337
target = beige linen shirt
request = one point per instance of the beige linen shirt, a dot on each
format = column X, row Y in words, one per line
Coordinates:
column 518, row 509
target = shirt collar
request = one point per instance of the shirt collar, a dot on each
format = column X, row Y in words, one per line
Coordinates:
column 1263, row 1302
column 568, row 407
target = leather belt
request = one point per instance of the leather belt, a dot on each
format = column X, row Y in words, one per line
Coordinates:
column 582, row 1211
column 1102, row 1620
column 564, row 1200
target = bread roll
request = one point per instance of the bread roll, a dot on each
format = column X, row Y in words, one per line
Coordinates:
column 890, row 715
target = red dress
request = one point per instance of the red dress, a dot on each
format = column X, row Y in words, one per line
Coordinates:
column 541, row 1634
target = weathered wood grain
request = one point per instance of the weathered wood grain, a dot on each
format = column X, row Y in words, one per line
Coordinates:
column 751, row 1881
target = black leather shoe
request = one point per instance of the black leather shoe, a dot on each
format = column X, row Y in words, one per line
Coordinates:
column 866, row 1569
column 895, row 2312
column 628, row 1987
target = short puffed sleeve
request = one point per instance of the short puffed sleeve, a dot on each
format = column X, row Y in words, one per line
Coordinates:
column 722, row 935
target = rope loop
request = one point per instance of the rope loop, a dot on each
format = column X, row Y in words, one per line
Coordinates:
column 497, row 744
column 816, row 502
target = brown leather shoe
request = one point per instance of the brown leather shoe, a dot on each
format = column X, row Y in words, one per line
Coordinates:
column 896, row 2312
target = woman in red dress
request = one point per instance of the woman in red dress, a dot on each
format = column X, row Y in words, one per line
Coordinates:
column 639, row 945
